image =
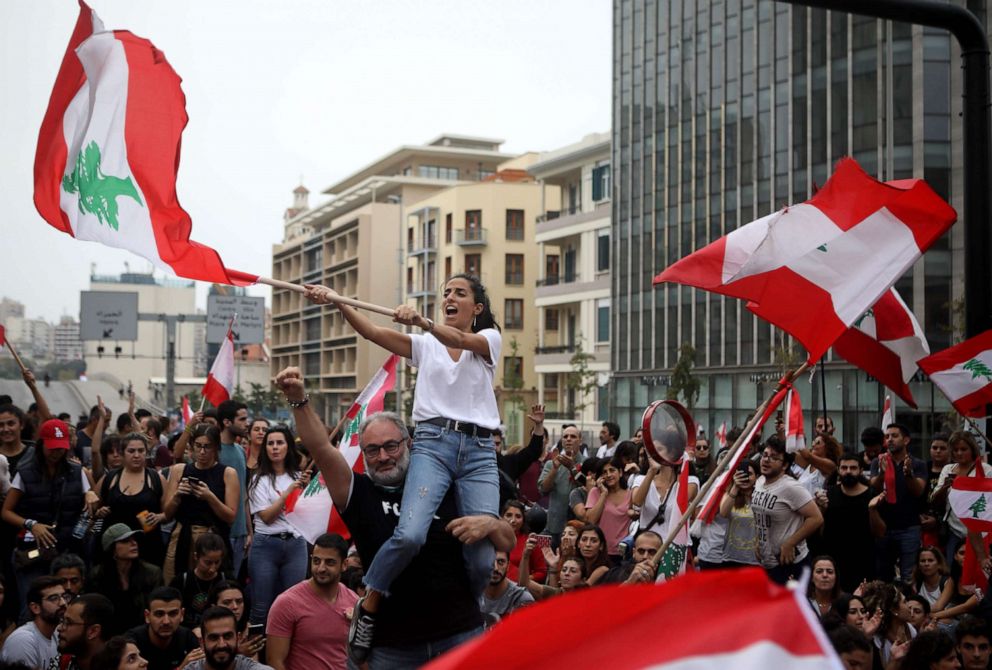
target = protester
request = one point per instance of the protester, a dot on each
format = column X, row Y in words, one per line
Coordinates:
column 570, row 574
column 609, row 436
column 514, row 513
column 452, row 441
column 741, row 544
column 973, row 643
column 308, row 624
column 785, row 514
column 71, row 569
column 586, row 481
column 35, row 644
column 219, row 641
column 195, row 585
column 893, row 632
column 872, row 440
column 919, row 611
column 849, row 525
column 556, row 481
column 931, row 578
column 123, row 577
column 278, row 557
column 232, row 417
column 135, row 496
column 929, row 650
column 119, row 654
column 202, row 497
column 703, row 463
column 84, row 630
column 963, row 598
column 966, row 458
column 162, row 639
column 852, row 646
column 432, row 607
column 608, row 506
column 592, row 550
column 501, row 595
column 819, row 463
column 824, row 586
column 638, row 568
column 256, row 439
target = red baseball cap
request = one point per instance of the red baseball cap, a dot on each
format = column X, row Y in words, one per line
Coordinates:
column 55, row 434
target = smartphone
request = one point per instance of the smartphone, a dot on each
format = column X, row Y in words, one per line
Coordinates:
column 543, row 540
column 743, row 468
column 192, row 481
column 255, row 629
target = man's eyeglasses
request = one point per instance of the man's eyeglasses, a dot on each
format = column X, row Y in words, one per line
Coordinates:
column 771, row 457
column 392, row 447
column 58, row 597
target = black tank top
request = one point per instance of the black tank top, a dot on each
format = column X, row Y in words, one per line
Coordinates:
column 196, row 512
column 125, row 507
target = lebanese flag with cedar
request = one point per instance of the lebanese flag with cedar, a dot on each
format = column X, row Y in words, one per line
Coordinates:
column 220, row 381
column 886, row 342
column 813, row 268
column 963, row 373
column 751, row 623
column 971, row 499
column 108, row 152
column 311, row 511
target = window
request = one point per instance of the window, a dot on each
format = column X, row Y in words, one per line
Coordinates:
column 313, row 329
column 473, row 219
column 473, row 264
column 409, row 280
column 311, row 365
column 515, row 224
column 550, row 319
column 603, row 251
column 314, row 259
column 513, row 314
column 485, row 174
column 409, row 239
column 437, row 172
column 600, row 183
column 447, row 228
column 603, row 320
column 551, row 269
column 515, row 269
column 513, row 371
column 447, row 268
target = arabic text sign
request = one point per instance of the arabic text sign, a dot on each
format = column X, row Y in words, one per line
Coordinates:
column 108, row 315
column 250, row 326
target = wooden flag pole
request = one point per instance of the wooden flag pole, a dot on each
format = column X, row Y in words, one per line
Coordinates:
column 722, row 465
column 289, row 286
column 974, row 424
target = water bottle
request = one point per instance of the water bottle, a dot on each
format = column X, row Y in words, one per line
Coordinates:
column 79, row 530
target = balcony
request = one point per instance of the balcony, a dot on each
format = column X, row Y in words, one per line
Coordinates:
column 422, row 246
column 471, row 237
column 560, row 416
column 558, row 349
column 554, row 224
column 559, row 358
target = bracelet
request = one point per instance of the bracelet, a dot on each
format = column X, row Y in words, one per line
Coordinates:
column 430, row 326
column 296, row 404
column 29, row 524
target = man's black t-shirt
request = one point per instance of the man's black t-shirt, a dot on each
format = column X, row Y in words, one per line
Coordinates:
column 169, row 658
column 431, row 599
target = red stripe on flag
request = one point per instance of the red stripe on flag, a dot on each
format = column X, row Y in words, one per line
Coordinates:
column 50, row 156
column 861, row 350
column 743, row 601
column 214, row 391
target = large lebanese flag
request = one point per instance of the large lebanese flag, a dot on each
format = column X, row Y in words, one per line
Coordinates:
column 220, row 381
column 886, row 342
column 813, row 268
column 108, row 152
column 963, row 373
column 751, row 624
column 971, row 499
column 311, row 511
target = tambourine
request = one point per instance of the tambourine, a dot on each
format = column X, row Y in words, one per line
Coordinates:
column 669, row 431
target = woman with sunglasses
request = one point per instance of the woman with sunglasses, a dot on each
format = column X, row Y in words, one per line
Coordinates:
column 201, row 496
column 278, row 556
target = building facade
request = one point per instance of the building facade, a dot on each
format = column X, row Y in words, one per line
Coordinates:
column 725, row 110
column 356, row 244
column 66, row 343
column 486, row 228
column 572, row 359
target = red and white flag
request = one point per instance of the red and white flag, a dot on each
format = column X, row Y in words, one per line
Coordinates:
column 888, row 413
column 711, row 504
column 971, row 499
column 963, row 373
column 721, row 436
column 187, row 412
column 886, row 342
column 795, row 436
column 108, row 152
column 813, row 268
column 220, row 381
column 751, row 624
column 311, row 511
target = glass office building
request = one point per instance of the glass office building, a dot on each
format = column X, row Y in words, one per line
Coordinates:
column 725, row 110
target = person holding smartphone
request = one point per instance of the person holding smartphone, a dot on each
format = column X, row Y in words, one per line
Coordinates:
column 202, row 497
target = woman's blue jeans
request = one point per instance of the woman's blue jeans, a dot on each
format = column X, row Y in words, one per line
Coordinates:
column 440, row 457
column 274, row 565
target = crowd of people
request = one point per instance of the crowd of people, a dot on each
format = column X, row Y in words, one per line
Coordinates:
column 125, row 544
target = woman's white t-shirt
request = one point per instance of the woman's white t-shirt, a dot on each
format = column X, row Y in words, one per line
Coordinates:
column 461, row 390
column 263, row 494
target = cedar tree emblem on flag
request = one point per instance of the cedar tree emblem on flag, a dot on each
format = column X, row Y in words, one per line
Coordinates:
column 98, row 192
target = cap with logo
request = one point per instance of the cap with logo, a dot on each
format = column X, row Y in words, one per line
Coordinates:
column 55, row 434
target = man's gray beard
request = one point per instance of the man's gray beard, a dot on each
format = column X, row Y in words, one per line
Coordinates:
column 394, row 478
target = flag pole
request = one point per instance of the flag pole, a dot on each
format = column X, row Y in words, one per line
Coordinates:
column 289, row 286
column 974, row 424
column 823, row 392
column 723, row 463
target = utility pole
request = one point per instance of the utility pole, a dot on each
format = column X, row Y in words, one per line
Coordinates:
column 171, row 322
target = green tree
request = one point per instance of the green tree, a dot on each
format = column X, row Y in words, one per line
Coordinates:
column 582, row 381
column 978, row 507
column 513, row 384
column 683, row 382
column 978, row 369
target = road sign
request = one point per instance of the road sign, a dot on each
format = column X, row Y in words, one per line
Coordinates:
column 250, row 326
column 108, row 315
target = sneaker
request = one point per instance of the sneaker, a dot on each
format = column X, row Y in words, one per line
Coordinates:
column 360, row 634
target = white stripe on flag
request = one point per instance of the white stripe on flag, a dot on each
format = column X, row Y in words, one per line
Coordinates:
column 957, row 382
column 98, row 115
column 786, row 237
column 758, row 656
column 971, row 504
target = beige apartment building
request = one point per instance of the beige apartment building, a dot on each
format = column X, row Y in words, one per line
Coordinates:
column 487, row 228
column 573, row 287
column 356, row 243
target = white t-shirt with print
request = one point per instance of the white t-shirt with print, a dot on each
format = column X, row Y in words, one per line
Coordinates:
column 461, row 390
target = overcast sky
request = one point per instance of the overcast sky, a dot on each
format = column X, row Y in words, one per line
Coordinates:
column 280, row 90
